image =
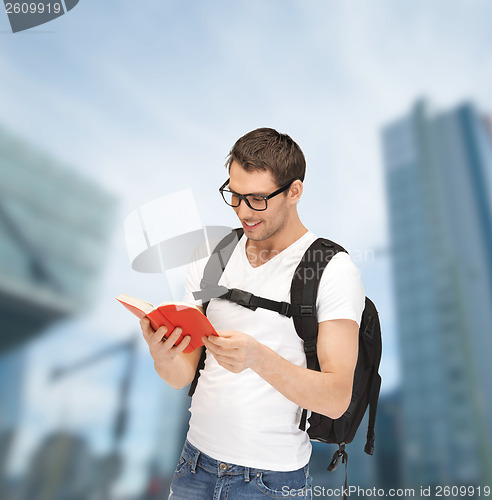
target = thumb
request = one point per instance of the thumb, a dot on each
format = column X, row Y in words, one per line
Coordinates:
column 225, row 333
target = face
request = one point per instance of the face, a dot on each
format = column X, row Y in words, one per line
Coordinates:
column 258, row 225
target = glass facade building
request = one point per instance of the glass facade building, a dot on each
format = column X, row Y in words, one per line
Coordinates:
column 438, row 168
column 54, row 226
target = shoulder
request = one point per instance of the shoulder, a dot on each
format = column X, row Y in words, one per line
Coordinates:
column 341, row 272
column 342, row 263
column 341, row 294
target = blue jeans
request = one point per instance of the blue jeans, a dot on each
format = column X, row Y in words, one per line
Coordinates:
column 200, row 477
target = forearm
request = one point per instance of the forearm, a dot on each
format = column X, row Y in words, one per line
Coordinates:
column 177, row 373
column 321, row 392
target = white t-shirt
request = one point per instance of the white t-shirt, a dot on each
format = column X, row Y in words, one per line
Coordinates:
column 240, row 418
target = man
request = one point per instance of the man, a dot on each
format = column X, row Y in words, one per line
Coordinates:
column 244, row 440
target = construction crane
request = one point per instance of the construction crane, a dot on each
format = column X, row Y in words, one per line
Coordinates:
column 111, row 464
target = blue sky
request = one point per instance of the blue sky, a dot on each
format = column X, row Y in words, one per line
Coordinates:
column 147, row 99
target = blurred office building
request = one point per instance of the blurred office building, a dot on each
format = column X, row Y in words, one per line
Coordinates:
column 387, row 449
column 54, row 228
column 54, row 231
column 168, row 445
column 439, row 187
column 12, row 372
column 62, row 467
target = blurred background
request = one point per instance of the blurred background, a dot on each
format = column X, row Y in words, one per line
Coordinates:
column 118, row 103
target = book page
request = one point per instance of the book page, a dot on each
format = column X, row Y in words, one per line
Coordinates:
column 144, row 306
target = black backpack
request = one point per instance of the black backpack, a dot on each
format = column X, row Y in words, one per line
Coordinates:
column 302, row 309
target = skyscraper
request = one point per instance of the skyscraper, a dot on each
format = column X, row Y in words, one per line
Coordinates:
column 388, row 441
column 439, row 188
column 12, row 374
column 54, row 231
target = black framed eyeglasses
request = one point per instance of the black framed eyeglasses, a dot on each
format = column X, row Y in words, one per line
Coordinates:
column 258, row 202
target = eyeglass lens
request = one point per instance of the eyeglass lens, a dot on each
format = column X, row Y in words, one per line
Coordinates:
column 255, row 202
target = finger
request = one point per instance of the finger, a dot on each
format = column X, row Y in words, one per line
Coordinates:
column 213, row 340
column 182, row 345
column 213, row 348
column 224, row 334
column 218, row 344
column 230, row 336
column 226, row 357
column 147, row 329
column 171, row 339
column 144, row 323
column 157, row 336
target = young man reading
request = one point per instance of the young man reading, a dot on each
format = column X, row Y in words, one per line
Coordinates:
column 244, row 440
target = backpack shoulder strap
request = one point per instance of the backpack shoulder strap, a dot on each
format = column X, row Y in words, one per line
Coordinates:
column 304, row 289
column 217, row 262
column 209, row 285
column 371, row 338
column 304, row 292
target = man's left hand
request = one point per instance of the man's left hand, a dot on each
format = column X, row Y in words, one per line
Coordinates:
column 234, row 351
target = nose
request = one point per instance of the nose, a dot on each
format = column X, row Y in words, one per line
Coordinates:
column 243, row 211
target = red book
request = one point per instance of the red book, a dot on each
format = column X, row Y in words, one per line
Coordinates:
column 172, row 315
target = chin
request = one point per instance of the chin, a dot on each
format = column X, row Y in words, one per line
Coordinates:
column 256, row 237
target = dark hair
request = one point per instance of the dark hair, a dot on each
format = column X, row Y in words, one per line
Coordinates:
column 267, row 149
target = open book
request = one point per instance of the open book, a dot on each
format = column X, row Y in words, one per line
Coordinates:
column 171, row 315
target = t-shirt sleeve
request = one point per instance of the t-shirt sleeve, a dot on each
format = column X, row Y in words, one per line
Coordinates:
column 341, row 293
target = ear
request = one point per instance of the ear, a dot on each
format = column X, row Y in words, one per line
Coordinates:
column 295, row 190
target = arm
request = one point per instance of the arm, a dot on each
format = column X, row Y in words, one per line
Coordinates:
column 174, row 366
column 327, row 392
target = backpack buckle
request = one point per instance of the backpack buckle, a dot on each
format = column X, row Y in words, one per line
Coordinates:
column 309, row 347
column 339, row 454
column 308, row 310
column 284, row 309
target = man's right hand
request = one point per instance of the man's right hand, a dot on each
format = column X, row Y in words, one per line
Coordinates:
column 170, row 362
column 162, row 349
